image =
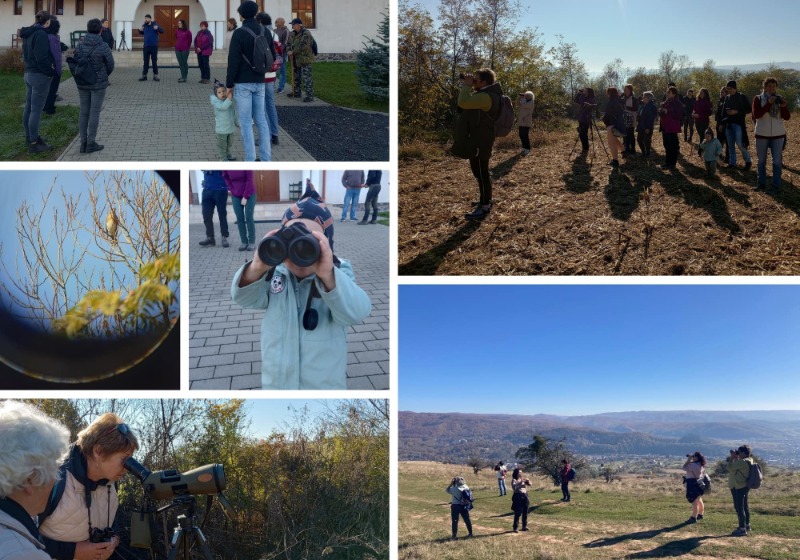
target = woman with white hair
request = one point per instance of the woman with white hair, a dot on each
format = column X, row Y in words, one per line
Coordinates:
column 525, row 120
column 456, row 490
column 32, row 448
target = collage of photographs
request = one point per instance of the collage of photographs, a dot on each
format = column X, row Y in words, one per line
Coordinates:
column 399, row 280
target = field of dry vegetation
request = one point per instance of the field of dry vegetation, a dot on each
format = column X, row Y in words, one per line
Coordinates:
column 559, row 215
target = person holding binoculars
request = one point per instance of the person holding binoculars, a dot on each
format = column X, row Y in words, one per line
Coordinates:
column 78, row 518
column 310, row 297
column 694, row 467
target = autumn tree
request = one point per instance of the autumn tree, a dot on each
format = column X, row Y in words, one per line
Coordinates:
column 673, row 67
column 544, row 455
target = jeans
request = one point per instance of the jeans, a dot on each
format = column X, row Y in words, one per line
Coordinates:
column 480, row 170
column 372, row 198
column 183, row 62
column 150, row 53
column 215, row 198
column 524, row 137
column 734, row 134
column 672, row 148
column 37, row 86
column 741, row 506
column 351, row 199
column 244, row 218
column 688, row 128
column 271, row 111
column 205, row 67
column 89, row 117
column 455, row 511
column 50, row 104
column 774, row 145
column 501, row 484
column 565, row 485
column 583, row 134
column 645, row 141
column 282, row 75
column 249, row 100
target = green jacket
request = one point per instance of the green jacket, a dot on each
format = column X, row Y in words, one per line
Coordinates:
column 738, row 473
column 291, row 356
column 474, row 134
column 224, row 115
column 300, row 45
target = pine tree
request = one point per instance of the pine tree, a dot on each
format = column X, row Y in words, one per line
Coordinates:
column 373, row 63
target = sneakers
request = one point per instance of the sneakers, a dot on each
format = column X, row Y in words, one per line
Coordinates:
column 143, row 78
column 208, row 242
column 156, row 78
column 699, row 517
column 525, row 529
column 524, row 152
column 181, row 80
column 515, row 530
column 363, row 222
column 38, row 146
column 244, row 247
column 739, row 532
column 375, row 222
column 691, row 520
column 93, row 147
column 225, row 242
column 747, row 527
column 230, row 157
column 748, row 165
column 477, row 214
column 274, row 140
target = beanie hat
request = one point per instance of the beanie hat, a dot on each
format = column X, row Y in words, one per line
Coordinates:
column 312, row 208
column 732, row 84
column 248, row 9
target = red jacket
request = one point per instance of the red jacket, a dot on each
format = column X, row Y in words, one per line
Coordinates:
column 240, row 183
column 204, row 42
column 183, row 39
column 671, row 122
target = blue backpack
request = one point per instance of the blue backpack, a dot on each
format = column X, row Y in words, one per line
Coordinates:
column 466, row 498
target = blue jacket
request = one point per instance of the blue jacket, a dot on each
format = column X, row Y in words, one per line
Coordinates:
column 214, row 180
column 647, row 117
column 151, row 34
column 291, row 356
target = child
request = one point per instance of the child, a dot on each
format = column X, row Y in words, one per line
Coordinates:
column 224, row 118
column 710, row 149
column 308, row 309
column 646, row 122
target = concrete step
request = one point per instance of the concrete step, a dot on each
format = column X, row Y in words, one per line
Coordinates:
column 166, row 57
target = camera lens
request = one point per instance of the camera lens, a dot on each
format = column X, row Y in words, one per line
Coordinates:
column 304, row 251
column 272, row 250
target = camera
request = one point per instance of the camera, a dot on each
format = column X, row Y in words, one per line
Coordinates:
column 101, row 535
column 778, row 100
column 294, row 242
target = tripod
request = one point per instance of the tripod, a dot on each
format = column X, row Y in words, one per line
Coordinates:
column 187, row 532
column 592, row 128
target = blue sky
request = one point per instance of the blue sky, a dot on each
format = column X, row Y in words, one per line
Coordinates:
column 573, row 350
column 731, row 32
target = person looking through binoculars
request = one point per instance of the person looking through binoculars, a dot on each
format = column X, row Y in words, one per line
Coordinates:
column 310, row 297
column 77, row 521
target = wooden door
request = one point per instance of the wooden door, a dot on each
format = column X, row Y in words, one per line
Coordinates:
column 267, row 186
column 167, row 17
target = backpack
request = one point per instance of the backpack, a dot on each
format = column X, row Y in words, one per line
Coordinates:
column 313, row 44
column 755, row 477
column 276, row 65
column 263, row 57
column 571, row 474
column 81, row 68
column 466, row 498
column 505, row 117
column 56, row 494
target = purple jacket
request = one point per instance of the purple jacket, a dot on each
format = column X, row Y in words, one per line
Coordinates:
column 703, row 108
column 55, row 49
column 671, row 121
column 183, row 39
column 240, row 183
column 204, row 42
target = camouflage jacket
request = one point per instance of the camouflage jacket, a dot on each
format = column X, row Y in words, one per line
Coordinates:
column 300, row 45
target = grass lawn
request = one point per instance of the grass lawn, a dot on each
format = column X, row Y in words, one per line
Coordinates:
column 57, row 130
column 337, row 83
column 383, row 218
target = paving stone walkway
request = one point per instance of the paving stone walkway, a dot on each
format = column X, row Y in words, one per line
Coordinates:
column 165, row 121
column 224, row 344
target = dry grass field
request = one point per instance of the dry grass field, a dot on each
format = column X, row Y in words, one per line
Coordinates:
column 561, row 215
column 637, row 517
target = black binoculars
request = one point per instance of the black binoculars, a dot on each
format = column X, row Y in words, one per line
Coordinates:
column 101, row 535
column 294, row 242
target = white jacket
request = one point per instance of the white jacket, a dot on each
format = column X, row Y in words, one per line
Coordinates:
column 16, row 543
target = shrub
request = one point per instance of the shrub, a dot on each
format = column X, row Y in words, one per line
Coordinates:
column 11, row 61
column 373, row 64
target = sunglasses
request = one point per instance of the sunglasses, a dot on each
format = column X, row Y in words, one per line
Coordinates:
column 122, row 428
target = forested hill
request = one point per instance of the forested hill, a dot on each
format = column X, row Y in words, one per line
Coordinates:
column 455, row 436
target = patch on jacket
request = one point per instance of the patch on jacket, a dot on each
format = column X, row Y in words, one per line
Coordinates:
column 277, row 285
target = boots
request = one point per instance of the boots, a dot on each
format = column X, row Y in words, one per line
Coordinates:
column 208, row 242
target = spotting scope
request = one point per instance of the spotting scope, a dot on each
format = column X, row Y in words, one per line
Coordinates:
column 168, row 484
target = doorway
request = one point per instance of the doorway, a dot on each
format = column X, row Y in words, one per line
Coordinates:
column 167, row 17
column 267, row 186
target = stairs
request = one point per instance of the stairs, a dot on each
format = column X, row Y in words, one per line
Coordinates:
column 167, row 58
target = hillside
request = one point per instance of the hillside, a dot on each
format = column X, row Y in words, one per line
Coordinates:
column 453, row 436
column 636, row 517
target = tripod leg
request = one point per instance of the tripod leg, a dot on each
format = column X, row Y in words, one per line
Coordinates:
column 202, row 543
column 177, row 540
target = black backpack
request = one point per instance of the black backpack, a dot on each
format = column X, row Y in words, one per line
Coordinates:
column 571, row 474
column 263, row 55
column 81, row 68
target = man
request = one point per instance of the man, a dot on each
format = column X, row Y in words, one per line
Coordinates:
column 301, row 52
column 352, row 181
column 106, row 35
column 586, row 107
column 246, row 84
column 308, row 308
column 283, row 37
column 474, row 136
column 769, row 111
column 39, row 71
column 150, row 29
column 215, row 195
column 374, row 185
column 735, row 108
column 688, row 121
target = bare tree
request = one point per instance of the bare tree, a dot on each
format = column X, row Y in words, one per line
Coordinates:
column 572, row 70
column 454, row 17
column 66, row 247
column 673, row 66
column 501, row 15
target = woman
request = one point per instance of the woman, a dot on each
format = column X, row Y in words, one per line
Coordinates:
column 55, row 50
column 33, row 446
column 456, row 488
column 769, row 111
column 519, row 499
column 525, row 120
column 566, row 467
column 719, row 117
column 586, row 106
column 243, row 192
column 694, row 467
column 738, row 473
column 646, row 122
column 631, row 104
column 89, row 500
column 203, row 46
column 183, row 42
column 39, row 70
column 671, row 116
column 232, row 25
column 702, row 112
column 92, row 95
column 615, row 124
column 688, row 119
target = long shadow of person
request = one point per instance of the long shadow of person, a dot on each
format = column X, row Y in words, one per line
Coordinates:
column 622, row 196
column 788, row 196
column 579, row 180
column 504, row 167
column 638, row 536
column 701, row 197
column 428, row 262
column 673, row 548
column 716, row 183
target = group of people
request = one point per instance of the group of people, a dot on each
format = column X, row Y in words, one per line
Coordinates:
column 70, row 487
column 353, row 182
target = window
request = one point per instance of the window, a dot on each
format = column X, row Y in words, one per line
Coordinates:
column 59, row 7
column 78, row 7
column 17, row 7
column 38, row 6
column 305, row 10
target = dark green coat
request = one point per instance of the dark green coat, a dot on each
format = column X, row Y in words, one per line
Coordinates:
column 474, row 133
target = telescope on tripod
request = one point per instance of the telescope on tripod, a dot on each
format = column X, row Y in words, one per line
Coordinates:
column 181, row 488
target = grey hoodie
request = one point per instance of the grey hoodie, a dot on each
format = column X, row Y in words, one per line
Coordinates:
column 16, row 543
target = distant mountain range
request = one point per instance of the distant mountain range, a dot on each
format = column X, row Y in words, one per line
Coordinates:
column 451, row 437
column 760, row 66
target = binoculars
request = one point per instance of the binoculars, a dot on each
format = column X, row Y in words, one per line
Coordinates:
column 294, row 242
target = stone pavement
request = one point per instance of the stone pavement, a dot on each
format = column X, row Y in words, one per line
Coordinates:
column 224, row 341
column 165, row 120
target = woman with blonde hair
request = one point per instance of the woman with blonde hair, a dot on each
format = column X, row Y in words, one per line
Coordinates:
column 33, row 446
column 79, row 525
column 525, row 119
column 614, row 120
